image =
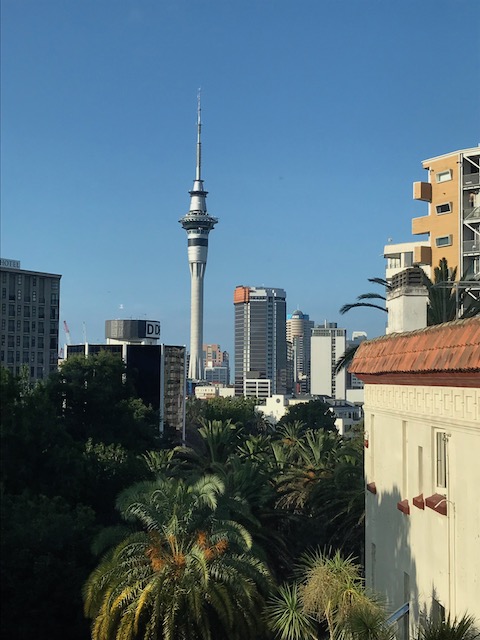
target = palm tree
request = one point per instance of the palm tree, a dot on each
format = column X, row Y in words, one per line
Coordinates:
column 186, row 574
column 369, row 296
column 329, row 591
column 445, row 300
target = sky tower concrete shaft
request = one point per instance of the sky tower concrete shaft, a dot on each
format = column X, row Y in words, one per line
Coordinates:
column 198, row 224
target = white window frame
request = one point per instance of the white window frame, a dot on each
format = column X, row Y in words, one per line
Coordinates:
column 444, row 176
column 440, row 447
column 443, row 204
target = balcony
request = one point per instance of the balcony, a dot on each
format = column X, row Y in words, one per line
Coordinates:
column 471, row 246
column 471, row 213
column 422, row 191
column 471, row 179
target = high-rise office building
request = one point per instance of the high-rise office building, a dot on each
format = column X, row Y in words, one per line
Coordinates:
column 299, row 332
column 260, row 340
column 328, row 345
column 157, row 371
column 198, row 224
column 29, row 320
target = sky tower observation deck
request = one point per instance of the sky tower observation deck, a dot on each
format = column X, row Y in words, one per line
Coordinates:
column 198, row 224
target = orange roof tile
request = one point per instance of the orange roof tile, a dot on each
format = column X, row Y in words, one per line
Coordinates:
column 453, row 347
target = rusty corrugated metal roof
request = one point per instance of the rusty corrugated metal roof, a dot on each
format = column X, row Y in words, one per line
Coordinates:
column 445, row 348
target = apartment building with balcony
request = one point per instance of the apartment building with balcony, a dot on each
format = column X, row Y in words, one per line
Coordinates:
column 452, row 223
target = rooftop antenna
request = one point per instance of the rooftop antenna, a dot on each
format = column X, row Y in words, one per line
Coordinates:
column 199, row 134
column 85, row 333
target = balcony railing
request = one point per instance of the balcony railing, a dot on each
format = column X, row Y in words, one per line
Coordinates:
column 471, row 246
column 471, row 179
column 471, row 213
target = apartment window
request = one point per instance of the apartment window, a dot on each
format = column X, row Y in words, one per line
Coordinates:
column 26, row 326
column 41, row 327
column 4, row 293
column 17, row 341
column 443, row 208
column 34, row 281
column 54, row 298
column 420, row 469
column 33, row 341
column 19, row 279
column 441, row 459
column 26, row 312
column 26, row 342
column 4, row 308
column 11, row 326
column 443, row 241
column 408, row 258
column 54, row 285
column 34, row 296
column 4, row 324
column 11, row 342
column 10, row 357
column 11, row 309
column 41, row 312
column 40, row 342
column 444, row 176
column 40, row 357
column 19, row 294
column 19, row 325
column 34, row 312
column 25, row 357
column 34, row 326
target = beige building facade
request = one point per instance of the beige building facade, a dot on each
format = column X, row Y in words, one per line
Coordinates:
column 452, row 223
column 422, row 466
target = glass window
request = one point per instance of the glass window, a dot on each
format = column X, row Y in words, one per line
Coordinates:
column 17, row 341
column 26, row 342
column 10, row 357
column 41, row 327
column 11, row 341
column 33, row 341
column 4, row 293
column 11, row 309
column 408, row 258
column 26, row 326
column 443, row 241
column 40, row 357
column 41, row 312
column 19, row 325
column 34, row 312
column 443, row 208
column 4, row 323
column 441, row 458
column 41, row 342
column 26, row 312
column 54, row 285
column 444, row 176
column 34, row 281
column 11, row 326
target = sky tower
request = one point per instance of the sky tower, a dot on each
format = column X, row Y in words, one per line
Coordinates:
column 198, row 224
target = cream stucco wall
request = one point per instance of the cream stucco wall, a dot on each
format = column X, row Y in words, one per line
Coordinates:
column 424, row 555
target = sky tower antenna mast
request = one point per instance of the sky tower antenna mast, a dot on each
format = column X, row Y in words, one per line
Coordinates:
column 198, row 224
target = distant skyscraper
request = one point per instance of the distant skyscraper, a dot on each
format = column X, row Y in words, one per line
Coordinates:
column 260, row 340
column 216, row 364
column 328, row 344
column 299, row 332
column 198, row 224
column 29, row 320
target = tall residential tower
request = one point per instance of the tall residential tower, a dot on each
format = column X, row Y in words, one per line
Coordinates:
column 198, row 224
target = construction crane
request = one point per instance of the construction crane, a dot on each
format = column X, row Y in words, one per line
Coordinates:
column 67, row 332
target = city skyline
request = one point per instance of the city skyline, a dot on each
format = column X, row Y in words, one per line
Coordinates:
column 318, row 118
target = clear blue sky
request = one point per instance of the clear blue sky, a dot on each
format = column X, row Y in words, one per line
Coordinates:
column 317, row 115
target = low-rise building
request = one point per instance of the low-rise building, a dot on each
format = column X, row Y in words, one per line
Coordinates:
column 422, row 471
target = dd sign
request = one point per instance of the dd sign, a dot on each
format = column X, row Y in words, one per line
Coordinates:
column 152, row 329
